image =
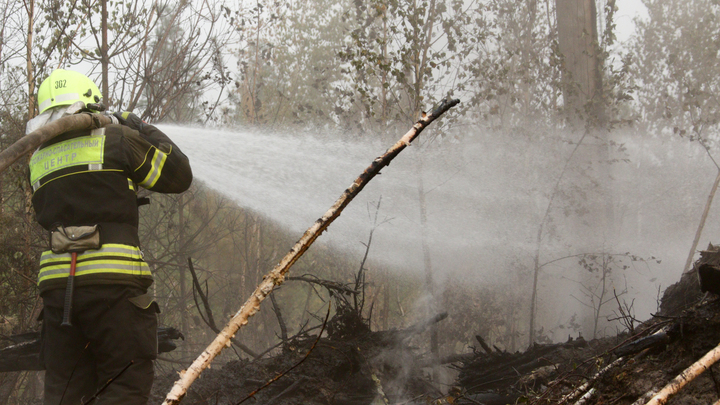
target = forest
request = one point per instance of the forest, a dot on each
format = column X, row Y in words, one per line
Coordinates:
column 571, row 185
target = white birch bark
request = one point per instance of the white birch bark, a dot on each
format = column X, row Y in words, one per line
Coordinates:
column 686, row 376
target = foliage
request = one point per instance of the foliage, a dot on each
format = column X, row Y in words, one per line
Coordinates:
column 286, row 63
column 515, row 65
column 401, row 56
column 677, row 67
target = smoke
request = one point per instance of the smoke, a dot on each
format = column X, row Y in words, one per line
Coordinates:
column 486, row 197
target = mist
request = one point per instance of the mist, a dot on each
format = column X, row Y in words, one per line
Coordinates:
column 486, row 196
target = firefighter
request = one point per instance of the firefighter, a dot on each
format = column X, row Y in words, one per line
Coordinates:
column 85, row 187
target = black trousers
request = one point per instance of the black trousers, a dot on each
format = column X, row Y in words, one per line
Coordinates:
column 108, row 332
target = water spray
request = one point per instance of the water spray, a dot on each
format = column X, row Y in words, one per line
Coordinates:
column 277, row 275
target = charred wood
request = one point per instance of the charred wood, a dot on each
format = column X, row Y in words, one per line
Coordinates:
column 393, row 336
column 208, row 318
column 487, row 398
column 501, row 370
column 453, row 358
column 330, row 285
column 278, row 314
column 25, row 354
column 708, row 269
column 22, row 356
column 484, row 345
column 686, row 292
column 658, row 339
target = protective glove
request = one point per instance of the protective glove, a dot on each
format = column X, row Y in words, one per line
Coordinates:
column 130, row 120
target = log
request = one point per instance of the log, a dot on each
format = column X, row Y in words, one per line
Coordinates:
column 583, row 400
column 277, row 275
column 33, row 140
column 487, row 398
column 581, row 389
column 24, row 355
column 703, row 218
column 21, row 356
column 708, row 269
column 658, row 338
column 686, row 376
column 500, row 370
column 484, row 345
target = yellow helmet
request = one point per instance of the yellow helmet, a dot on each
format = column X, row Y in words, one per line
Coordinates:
column 65, row 87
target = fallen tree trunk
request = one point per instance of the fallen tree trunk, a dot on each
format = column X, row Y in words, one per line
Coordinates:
column 581, row 389
column 658, row 338
column 276, row 276
column 703, row 218
column 686, row 376
column 33, row 140
column 499, row 370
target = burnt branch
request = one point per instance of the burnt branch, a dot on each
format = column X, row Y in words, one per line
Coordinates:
column 330, row 285
column 360, row 278
column 302, row 332
column 107, row 384
column 484, row 345
column 420, row 327
column 278, row 314
column 625, row 317
column 210, row 321
column 252, row 394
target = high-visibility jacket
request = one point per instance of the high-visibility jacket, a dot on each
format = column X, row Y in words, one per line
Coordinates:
column 91, row 178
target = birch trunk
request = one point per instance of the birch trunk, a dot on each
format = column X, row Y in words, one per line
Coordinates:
column 686, row 376
column 29, row 64
column 698, row 233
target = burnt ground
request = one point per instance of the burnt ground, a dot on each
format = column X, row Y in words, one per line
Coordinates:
column 693, row 329
column 648, row 358
column 354, row 365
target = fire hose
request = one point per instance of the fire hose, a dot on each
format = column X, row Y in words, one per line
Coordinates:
column 33, row 140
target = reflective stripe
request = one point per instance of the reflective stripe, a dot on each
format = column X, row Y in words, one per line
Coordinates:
column 45, row 104
column 84, row 150
column 59, row 99
column 131, row 184
column 38, row 184
column 108, row 249
column 156, row 166
column 111, row 258
column 102, row 266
